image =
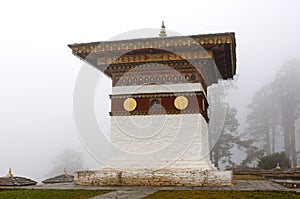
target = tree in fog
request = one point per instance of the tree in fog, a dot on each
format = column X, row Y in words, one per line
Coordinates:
column 223, row 124
column 69, row 159
column 261, row 122
column 227, row 138
column 275, row 108
column 286, row 89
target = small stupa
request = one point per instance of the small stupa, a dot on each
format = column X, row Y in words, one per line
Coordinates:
column 11, row 180
column 63, row 178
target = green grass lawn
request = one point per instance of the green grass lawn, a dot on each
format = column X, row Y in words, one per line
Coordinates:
column 199, row 194
column 49, row 193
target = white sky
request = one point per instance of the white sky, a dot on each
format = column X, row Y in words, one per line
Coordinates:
column 38, row 71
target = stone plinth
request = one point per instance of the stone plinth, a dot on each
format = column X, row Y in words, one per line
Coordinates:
column 146, row 177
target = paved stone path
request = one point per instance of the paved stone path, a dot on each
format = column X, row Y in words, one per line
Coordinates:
column 137, row 192
column 132, row 194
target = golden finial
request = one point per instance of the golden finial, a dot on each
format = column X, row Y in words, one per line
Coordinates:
column 297, row 165
column 65, row 172
column 9, row 173
column 277, row 167
column 163, row 31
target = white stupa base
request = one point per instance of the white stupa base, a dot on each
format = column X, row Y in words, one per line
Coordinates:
column 157, row 150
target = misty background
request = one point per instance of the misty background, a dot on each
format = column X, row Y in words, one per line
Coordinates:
column 38, row 70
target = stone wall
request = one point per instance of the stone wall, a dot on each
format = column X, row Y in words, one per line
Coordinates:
column 164, row 177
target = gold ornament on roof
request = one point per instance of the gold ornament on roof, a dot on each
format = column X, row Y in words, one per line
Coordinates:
column 9, row 173
column 65, row 172
column 181, row 102
column 297, row 165
column 129, row 104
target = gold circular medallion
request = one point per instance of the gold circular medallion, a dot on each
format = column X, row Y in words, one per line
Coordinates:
column 181, row 102
column 129, row 104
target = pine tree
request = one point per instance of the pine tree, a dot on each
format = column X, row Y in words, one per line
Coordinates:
column 223, row 124
column 275, row 106
column 286, row 89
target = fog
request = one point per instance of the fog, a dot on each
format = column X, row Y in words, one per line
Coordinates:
column 39, row 72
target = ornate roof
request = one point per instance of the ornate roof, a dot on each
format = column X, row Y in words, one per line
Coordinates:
column 220, row 47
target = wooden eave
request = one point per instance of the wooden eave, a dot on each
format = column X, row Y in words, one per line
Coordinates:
column 222, row 45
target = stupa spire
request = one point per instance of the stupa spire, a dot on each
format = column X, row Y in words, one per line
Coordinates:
column 9, row 173
column 65, row 172
column 163, row 30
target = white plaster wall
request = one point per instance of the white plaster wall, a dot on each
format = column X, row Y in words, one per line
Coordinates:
column 184, row 87
column 158, row 141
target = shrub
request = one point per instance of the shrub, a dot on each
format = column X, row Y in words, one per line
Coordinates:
column 270, row 161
